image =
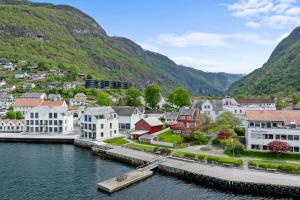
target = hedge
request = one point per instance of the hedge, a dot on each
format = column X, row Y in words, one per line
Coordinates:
column 267, row 154
column 216, row 159
column 280, row 166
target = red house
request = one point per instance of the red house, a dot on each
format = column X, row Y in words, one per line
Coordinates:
column 147, row 126
column 189, row 120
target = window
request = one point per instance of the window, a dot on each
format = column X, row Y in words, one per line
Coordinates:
column 55, row 122
column 110, row 125
column 36, row 115
column 127, row 126
column 90, row 126
column 55, row 129
column 115, row 132
column 283, row 137
column 36, row 122
column 115, row 115
column 296, row 149
column 50, row 122
column 55, row 115
column 36, row 129
column 60, row 129
column 31, row 122
column 50, row 129
column 290, row 137
column 251, row 124
column 102, row 134
column 102, row 126
column 31, row 115
column 89, row 118
column 85, row 118
column 296, row 137
column 277, row 137
column 50, row 115
column 94, row 135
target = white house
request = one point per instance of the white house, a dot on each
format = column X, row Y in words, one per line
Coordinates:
column 171, row 118
column 210, row 108
column 6, row 100
column 28, row 86
column 21, row 75
column 264, row 126
column 2, row 82
column 51, row 120
column 98, row 123
column 69, row 85
column 34, row 96
column 54, row 97
column 78, row 100
column 7, row 88
column 12, row 126
column 128, row 116
column 8, row 67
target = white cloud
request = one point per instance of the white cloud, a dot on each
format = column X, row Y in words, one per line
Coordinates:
column 293, row 11
column 193, row 39
column 212, row 40
column 150, row 47
column 208, row 65
column 273, row 13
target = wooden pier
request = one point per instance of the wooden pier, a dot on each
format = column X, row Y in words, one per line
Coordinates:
column 120, row 182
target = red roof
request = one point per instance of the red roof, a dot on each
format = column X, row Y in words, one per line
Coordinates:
column 37, row 102
column 28, row 102
column 53, row 103
column 286, row 116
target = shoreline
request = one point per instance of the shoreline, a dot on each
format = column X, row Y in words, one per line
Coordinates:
column 233, row 180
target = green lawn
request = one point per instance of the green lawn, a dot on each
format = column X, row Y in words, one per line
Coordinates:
column 170, row 137
column 267, row 155
column 280, row 166
column 140, row 147
column 117, row 141
column 216, row 159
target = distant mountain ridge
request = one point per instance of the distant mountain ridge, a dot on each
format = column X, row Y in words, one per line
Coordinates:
column 65, row 35
column 280, row 74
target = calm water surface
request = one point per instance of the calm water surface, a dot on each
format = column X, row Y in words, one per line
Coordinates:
column 65, row 172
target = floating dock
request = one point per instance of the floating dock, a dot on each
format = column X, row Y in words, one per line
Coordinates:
column 116, row 183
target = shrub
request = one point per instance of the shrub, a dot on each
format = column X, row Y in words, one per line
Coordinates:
column 240, row 131
column 234, row 146
column 187, row 137
column 190, row 155
column 201, row 138
column 278, row 146
column 284, row 167
column 224, row 134
column 165, row 151
column 216, row 141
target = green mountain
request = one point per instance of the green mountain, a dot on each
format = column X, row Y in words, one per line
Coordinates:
column 60, row 35
column 280, row 74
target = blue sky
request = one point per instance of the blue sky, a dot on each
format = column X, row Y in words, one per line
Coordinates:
column 235, row 36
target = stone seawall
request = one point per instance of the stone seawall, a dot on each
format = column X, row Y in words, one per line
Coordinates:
column 232, row 186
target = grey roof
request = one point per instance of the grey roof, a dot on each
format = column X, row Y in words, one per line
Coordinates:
column 148, row 136
column 153, row 121
column 154, row 112
column 104, row 110
column 217, row 104
column 187, row 111
column 297, row 106
column 32, row 95
column 125, row 110
column 171, row 115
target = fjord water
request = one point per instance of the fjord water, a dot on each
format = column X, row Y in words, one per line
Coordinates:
column 66, row 172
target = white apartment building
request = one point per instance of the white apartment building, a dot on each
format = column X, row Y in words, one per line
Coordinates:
column 210, row 108
column 264, row 126
column 51, row 120
column 97, row 123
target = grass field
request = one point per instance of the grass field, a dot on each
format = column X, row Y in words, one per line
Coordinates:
column 116, row 141
column 170, row 137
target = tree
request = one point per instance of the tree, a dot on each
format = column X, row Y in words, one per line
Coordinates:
column 10, row 114
column 280, row 105
column 227, row 119
column 103, row 99
column 180, row 97
column 152, row 95
column 171, row 98
column 295, row 99
column 132, row 97
column 278, row 146
column 19, row 115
